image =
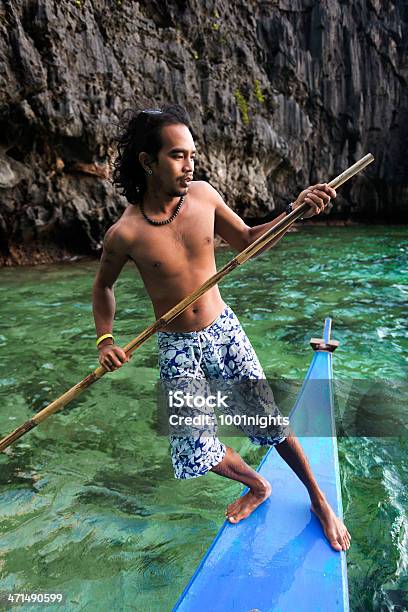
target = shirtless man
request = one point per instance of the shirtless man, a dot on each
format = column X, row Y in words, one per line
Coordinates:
column 155, row 169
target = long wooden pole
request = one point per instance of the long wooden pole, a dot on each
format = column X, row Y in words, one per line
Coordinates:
column 254, row 248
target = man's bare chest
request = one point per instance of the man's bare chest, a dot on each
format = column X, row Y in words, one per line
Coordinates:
column 186, row 240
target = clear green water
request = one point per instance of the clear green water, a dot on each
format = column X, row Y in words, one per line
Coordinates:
column 89, row 506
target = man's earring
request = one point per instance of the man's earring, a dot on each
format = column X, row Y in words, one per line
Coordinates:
column 149, row 171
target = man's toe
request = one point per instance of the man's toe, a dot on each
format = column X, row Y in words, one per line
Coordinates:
column 232, row 506
column 233, row 511
column 337, row 543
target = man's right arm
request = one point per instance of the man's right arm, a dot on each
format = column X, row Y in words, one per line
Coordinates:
column 114, row 257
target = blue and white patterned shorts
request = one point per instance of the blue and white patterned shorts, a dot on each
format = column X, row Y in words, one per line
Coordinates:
column 220, row 351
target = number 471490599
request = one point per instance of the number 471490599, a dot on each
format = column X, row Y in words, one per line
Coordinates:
column 42, row 598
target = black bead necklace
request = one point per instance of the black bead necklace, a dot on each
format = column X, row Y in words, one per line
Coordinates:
column 169, row 220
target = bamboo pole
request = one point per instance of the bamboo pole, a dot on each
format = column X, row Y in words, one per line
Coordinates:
column 254, row 248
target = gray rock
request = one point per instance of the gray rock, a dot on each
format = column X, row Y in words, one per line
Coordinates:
column 282, row 94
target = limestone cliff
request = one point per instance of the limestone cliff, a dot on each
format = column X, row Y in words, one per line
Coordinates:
column 281, row 93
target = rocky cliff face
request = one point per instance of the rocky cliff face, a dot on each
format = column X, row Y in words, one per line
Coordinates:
column 282, row 93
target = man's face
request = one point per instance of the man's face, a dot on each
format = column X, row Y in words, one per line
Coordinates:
column 174, row 167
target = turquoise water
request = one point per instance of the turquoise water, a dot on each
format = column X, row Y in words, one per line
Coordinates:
column 89, row 505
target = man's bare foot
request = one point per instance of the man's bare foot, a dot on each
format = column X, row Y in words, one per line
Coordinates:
column 334, row 529
column 245, row 505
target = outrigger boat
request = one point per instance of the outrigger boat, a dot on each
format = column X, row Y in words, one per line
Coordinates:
column 278, row 559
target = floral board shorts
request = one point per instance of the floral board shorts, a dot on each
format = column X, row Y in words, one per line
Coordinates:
column 220, row 354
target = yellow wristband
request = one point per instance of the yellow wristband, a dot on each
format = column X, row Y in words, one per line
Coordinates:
column 99, row 340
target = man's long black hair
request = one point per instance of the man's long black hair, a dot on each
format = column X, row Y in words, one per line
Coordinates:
column 139, row 131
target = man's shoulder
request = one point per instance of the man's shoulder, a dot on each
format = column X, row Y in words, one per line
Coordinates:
column 203, row 189
column 118, row 237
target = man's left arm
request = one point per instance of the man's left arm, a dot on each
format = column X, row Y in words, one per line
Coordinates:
column 234, row 230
